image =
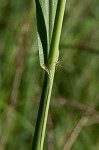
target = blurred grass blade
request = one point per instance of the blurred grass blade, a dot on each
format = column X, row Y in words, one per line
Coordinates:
column 75, row 133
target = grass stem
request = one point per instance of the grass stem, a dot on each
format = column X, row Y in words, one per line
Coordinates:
column 40, row 129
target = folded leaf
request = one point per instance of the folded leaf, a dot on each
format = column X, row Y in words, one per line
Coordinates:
column 45, row 11
column 42, row 35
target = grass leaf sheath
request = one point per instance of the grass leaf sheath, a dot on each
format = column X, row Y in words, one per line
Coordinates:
column 40, row 128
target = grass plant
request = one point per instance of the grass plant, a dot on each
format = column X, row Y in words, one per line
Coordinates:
column 48, row 60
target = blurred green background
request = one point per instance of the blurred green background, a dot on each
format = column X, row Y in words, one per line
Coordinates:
column 73, row 121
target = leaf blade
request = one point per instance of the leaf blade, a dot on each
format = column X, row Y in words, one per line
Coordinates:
column 45, row 11
column 42, row 35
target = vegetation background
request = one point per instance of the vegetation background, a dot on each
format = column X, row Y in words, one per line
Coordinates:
column 73, row 121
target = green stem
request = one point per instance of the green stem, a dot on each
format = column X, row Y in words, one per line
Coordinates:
column 42, row 114
column 57, row 32
column 40, row 129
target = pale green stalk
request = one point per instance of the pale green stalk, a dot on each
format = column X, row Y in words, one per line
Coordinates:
column 48, row 79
